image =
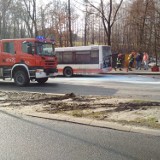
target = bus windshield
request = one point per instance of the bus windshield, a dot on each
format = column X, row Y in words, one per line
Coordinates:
column 106, row 51
column 45, row 49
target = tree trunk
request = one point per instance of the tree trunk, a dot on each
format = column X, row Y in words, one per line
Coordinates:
column 69, row 20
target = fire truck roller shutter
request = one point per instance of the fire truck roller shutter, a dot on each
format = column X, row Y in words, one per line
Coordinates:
column 20, row 75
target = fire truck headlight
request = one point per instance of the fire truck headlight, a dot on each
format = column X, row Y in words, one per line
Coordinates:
column 39, row 70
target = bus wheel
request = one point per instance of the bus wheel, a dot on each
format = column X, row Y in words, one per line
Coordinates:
column 68, row 72
column 21, row 78
column 42, row 80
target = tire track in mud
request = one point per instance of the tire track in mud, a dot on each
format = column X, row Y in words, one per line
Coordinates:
column 58, row 103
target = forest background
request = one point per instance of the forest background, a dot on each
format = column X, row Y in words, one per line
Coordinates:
column 124, row 24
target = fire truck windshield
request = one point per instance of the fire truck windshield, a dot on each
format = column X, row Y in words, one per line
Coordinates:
column 45, row 49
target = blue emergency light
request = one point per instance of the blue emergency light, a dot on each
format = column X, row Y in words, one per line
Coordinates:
column 41, row 38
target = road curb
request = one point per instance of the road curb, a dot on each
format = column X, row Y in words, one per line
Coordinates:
column 133, row 73
column 95, row 123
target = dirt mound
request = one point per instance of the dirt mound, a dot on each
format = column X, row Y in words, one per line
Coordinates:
column 97, row 107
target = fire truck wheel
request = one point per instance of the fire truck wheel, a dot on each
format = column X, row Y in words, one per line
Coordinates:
column 21, row 78
column 68, row 72
column 42, row 80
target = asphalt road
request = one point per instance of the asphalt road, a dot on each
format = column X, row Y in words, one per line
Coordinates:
column 26, row 138
column 131, row 86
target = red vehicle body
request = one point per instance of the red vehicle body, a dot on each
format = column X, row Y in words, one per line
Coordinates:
column 27, row 59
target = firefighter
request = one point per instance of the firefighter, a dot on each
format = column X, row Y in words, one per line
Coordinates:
column 130, row 61
column 119, row 62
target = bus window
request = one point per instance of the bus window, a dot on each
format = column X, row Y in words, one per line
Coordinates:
column 95, row 57
column 83, row 57
column 67, row 58
column 59, row 56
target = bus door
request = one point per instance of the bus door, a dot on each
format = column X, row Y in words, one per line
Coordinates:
column 107, row 61
column 106, row 58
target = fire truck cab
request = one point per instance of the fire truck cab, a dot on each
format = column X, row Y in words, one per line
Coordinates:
column 27, row 59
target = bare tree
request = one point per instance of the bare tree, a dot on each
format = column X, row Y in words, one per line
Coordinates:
column 30, row 7
column 4, row 5
column 107, row 19
column 69, row 21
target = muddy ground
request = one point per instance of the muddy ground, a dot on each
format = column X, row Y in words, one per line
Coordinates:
column 115, row 109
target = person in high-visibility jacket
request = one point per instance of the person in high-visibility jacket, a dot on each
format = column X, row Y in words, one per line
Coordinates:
column 130, row 60
column 119, row 62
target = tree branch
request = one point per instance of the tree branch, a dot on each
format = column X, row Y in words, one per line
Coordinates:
column 114, row 17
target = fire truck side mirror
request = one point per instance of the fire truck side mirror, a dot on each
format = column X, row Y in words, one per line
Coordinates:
column 24, row 42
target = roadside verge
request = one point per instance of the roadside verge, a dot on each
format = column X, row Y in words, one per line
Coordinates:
column 99, row 111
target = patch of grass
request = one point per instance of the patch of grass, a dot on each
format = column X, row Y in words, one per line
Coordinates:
column 89, row 114
column 77, row 113
column 151, row 122
column 96, row 115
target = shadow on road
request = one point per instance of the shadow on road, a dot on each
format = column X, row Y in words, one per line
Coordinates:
column 59, row 88
column 84, row 76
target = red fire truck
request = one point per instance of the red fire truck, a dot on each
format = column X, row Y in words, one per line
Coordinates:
column 27, row 59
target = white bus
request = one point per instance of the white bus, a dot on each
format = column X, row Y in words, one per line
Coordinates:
column 84, row 60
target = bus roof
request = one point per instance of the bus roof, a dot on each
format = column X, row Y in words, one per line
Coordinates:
column 80, row 48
